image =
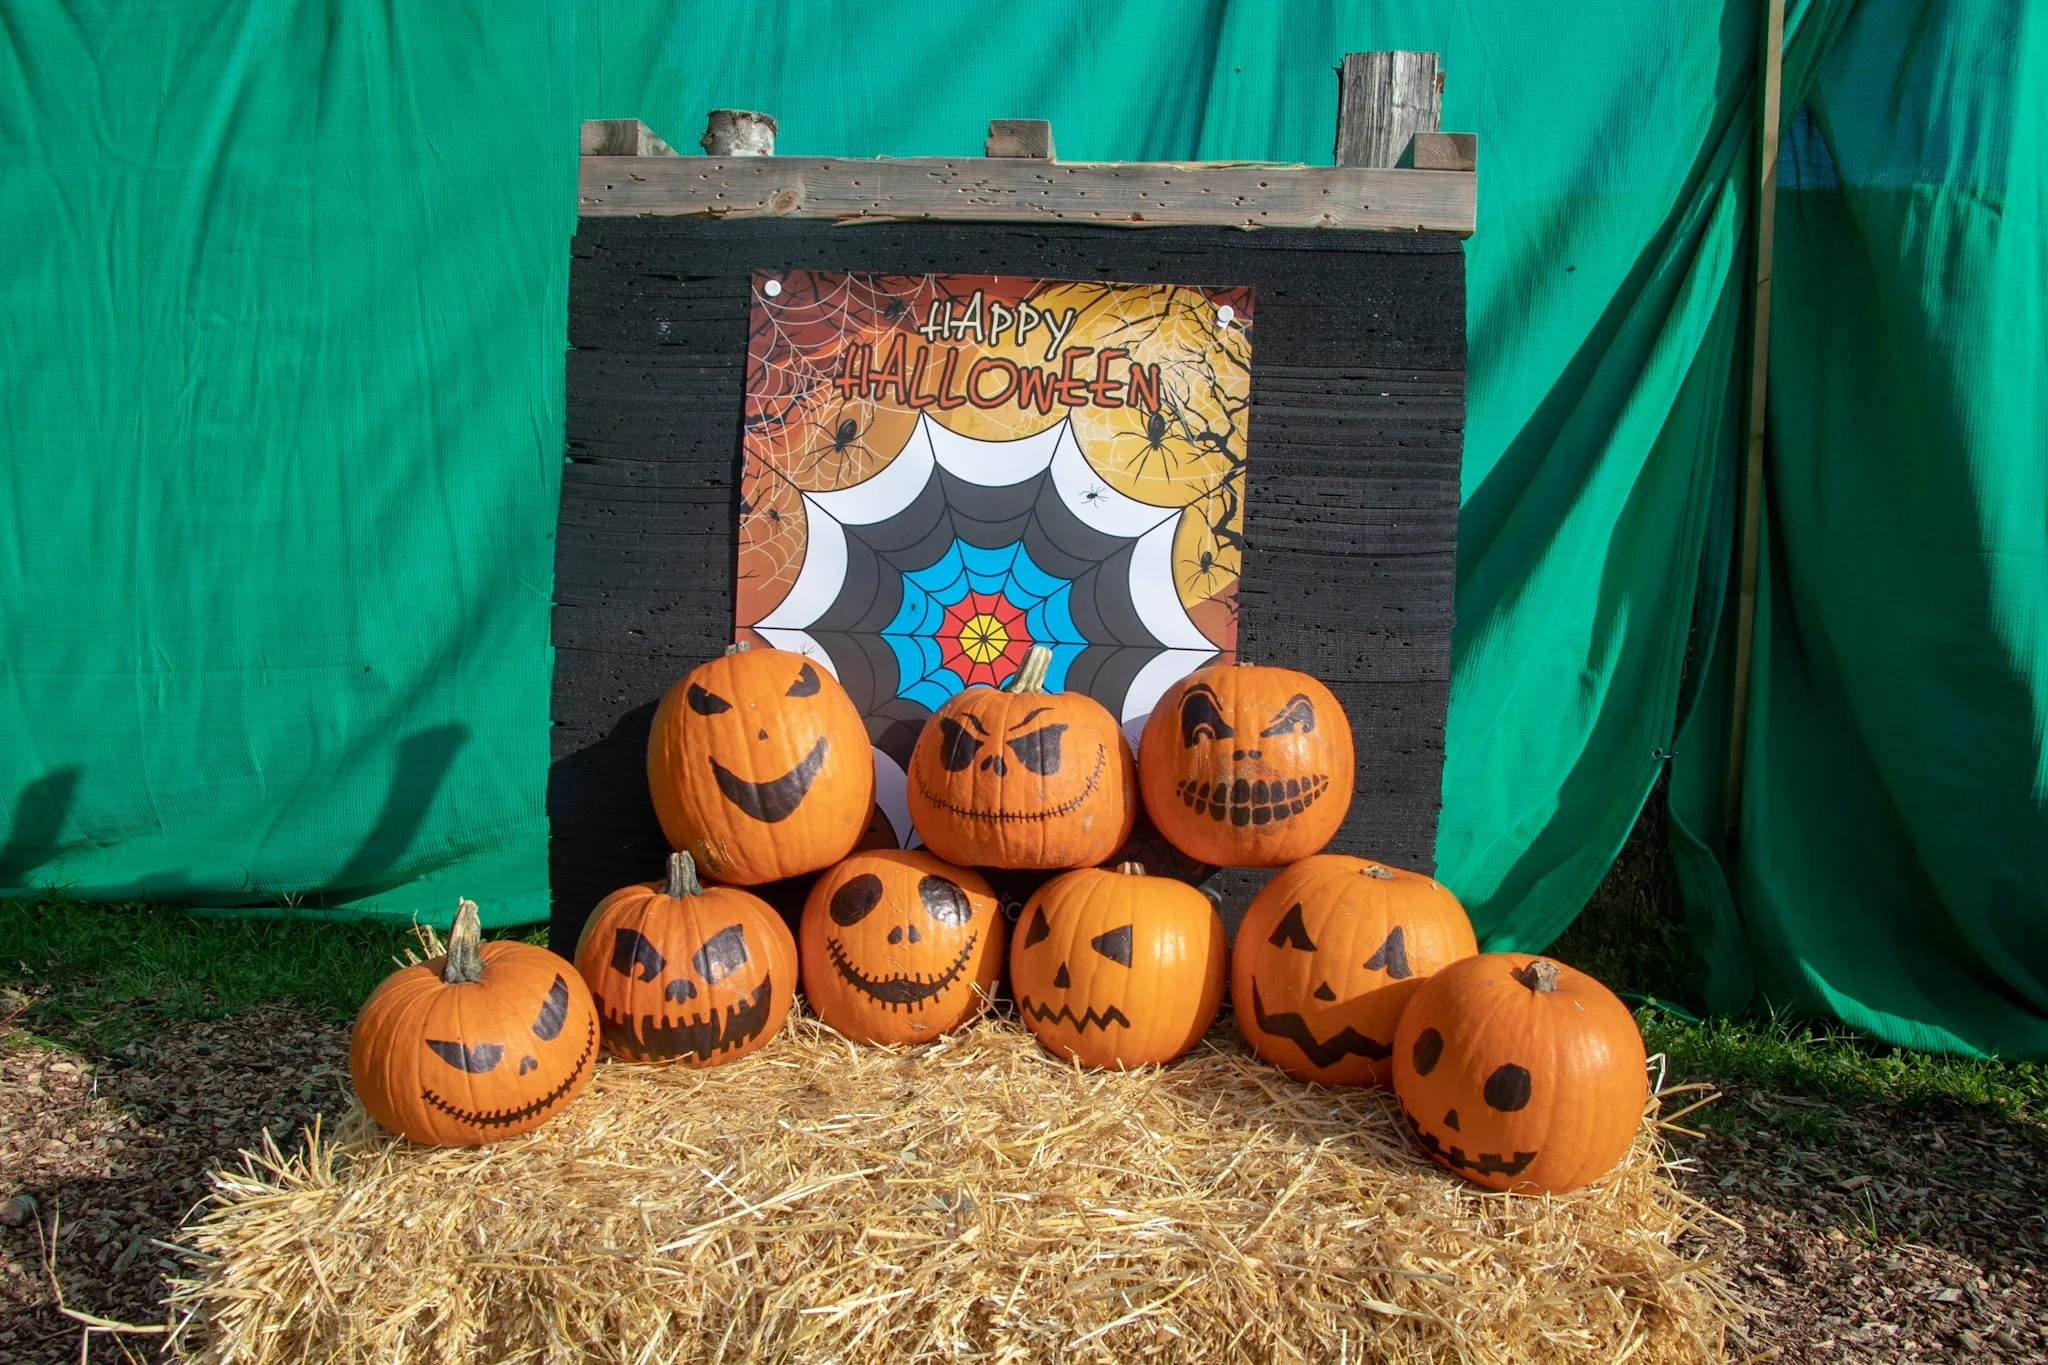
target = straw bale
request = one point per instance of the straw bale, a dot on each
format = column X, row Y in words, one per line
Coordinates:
column 973, row 1200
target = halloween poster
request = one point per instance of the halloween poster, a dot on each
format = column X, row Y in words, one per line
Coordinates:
column 941, row 471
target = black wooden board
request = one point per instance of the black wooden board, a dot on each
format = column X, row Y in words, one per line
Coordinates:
column 1358, row 413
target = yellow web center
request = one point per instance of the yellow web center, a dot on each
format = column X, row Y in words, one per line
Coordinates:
column 983, row 638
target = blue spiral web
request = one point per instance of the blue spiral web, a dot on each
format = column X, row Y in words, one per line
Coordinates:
column 912, row 635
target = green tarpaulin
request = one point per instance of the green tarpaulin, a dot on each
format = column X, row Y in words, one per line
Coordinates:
column 280, row 407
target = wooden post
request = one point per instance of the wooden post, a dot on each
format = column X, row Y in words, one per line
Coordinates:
column 1383, row 100
column 1759, row 374
column 622, row 137
column 738, row 132
column 1019, row 137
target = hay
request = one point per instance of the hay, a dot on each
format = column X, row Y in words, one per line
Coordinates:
column 973, row 1201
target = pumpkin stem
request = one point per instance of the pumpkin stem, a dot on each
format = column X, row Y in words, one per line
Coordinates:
column 738, row 647
column 1131, row 869
column 465, row 963
column 1538, row 976
column 1030, row 676
column 682, row 877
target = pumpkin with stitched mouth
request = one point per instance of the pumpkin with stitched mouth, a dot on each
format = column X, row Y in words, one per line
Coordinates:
column 1327, row 957
column 759, row 767
column 1117, row 969
column 899, row 947
column 688, row 973
column 1247, row 766
column 1519, row 1073
column 1022, row 777
column 487, row 1042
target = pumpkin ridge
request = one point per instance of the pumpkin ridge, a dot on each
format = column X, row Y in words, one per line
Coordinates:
column 908, row 989
column 498, row 1118
column 1049, row 813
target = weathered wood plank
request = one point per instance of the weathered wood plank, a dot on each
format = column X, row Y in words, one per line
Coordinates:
column 1441, row 152
column 621, row 137
column 1383, row 100
column 1018, row 190
column 1019, row 137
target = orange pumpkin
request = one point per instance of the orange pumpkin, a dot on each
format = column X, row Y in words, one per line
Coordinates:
column 1519, row 1073
column 1117, row 968
column 899, row 947
column 1327, row 957
column 1022, row 777
column 759, row 767
column 486, row 1042
column 685, row 973
column 1247, row 766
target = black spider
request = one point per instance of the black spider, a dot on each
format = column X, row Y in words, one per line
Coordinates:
column 1205, row 568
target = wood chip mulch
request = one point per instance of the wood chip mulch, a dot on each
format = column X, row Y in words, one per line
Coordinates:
column 1861, row 1233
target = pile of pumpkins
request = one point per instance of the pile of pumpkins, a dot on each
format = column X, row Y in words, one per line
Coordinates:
column 1513, row 1071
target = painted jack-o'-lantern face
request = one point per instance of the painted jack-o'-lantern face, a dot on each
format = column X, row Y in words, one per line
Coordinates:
column 759, row 767
column 1117, row 968
column 899, row 947
column 1519, row 1073
column 1327, row 957
column 487, row 1042
column 1247, row 766
column 1022, row 777
column 682, row 972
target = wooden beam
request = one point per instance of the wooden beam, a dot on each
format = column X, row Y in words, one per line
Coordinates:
column 1441, row 152
column 1000, row 190
column 1759, row 375
column 1383, row 100
column 1019, row 137
column 622, row 137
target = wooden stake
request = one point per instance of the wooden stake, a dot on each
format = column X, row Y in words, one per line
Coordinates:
column 1019, row 137
column 1383, row 100
column 1759, row 374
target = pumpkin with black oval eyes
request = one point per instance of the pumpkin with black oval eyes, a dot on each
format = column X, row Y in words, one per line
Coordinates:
column 687, row 973
column 1247, row 766
column 1520, row 1073
column 1327, row 957
column 489, row 1041
column 759, row 767
column 1022, row 777
column 899, row 947
column 1117, row 969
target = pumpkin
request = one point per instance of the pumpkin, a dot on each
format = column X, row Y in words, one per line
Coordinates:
column 1022, row 777
column 489, row 1041
column 759, row 767
column 899, row 947
column 1519, row 1073
column 1117, row 969
column 681, row 972
column 1247, row 766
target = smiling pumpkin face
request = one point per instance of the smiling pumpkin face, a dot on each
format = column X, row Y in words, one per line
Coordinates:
column 1247, row 766
column 899, row 947
column 759, row 767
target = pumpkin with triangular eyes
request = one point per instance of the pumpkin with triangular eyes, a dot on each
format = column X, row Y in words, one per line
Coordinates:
column 1520, row 1073
column 1247, row 765
column 688, row 973
column 899, row 947
column 1117, row 969
column 489, row 1041
column 1326, row 959
column 759, row 767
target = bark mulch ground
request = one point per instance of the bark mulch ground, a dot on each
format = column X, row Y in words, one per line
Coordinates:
column 1861, row 1233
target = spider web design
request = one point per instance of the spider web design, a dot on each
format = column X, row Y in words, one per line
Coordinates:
column 968, row 620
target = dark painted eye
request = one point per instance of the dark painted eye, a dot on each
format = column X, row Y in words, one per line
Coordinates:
column 1429, row 1045
column 707, row 703
column 724, row 953
column 553, row 1011
column 1507, row 1089
column 1114, row 945
column 1292, row 933
column 806, row 684
column 1199, row 718
column 1391, row 956
column 1039, row 928
column 851, row 902
column 957, row 748
column 1297, row 717
column 944, row 901
column 630, row 950
column 471, row 1057
column 1040, row 750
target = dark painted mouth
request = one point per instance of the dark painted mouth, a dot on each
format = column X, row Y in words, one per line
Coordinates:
column 776, row 800
column 1487, row 1163
column 1049, row 813
column 1252, row 803
column 907, row 991
column 1345, row 1042
column 700, row 1036
column 504, row 1118
column 1045, row 1015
